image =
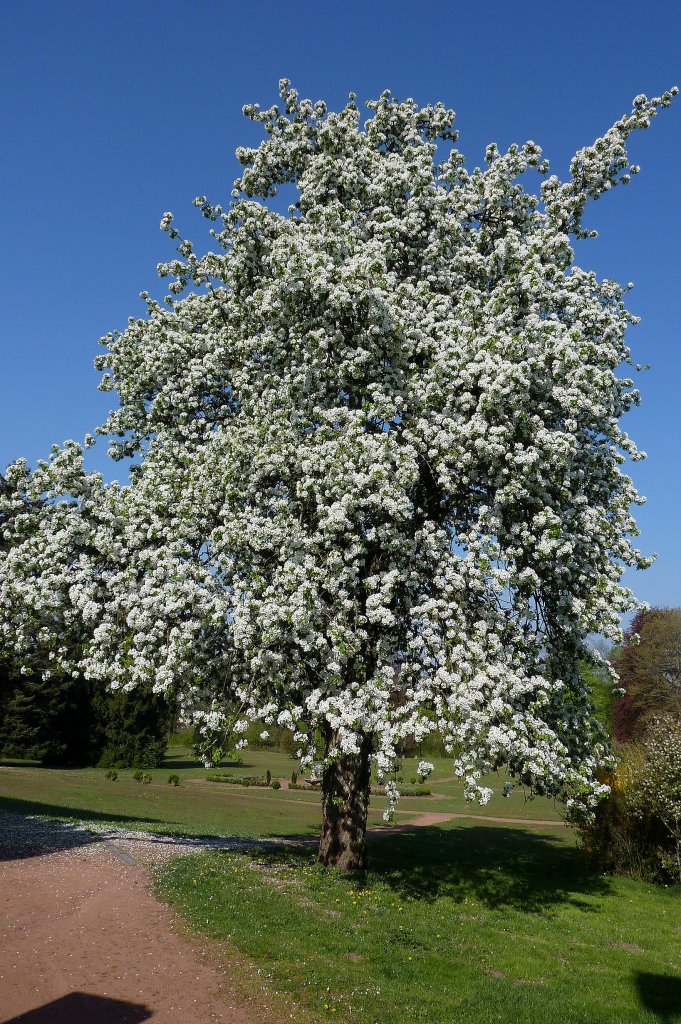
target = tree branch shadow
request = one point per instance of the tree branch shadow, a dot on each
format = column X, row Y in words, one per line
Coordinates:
column 172, row 762
column 22, row 834
column 500, row 867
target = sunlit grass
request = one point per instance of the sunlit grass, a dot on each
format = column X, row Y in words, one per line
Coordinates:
column 208, row 808
column 467, row 923
column 471, row 922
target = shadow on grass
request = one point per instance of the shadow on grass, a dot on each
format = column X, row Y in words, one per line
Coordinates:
column 500, row 867
column 661, row 994
column 181, row 762
column 15, row 762
column 22, row 834
column 22, row 837
column 170, row 761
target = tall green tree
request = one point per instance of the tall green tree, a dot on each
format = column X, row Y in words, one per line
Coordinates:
column 48, row 720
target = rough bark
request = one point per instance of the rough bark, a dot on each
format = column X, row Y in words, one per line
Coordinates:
column 345, row 802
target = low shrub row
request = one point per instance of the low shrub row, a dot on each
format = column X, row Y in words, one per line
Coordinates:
column 404, row 790
column 266, row 782
column 139, row 776
column 240, row 780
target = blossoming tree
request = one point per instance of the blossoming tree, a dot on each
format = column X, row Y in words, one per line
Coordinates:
column 379, row 491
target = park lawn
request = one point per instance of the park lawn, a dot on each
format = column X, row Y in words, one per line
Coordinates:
column 206, row 808
column 194, row 807
column 191, row 808
column 472, row 921
column 519, row 804
column 467, row 923
column 441, row 784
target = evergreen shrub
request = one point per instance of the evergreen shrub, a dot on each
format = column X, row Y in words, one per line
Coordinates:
column 64, row 720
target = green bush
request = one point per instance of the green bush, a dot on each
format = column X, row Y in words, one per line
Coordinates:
column 276, row 784
column 146, row 779
column 111, row 775
column 138, row 775
column 637, row 829
column 173, row 780
column 268, row 776
column 294, row 778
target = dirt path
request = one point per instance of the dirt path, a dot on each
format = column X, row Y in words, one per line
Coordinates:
column 500, row 821
column 83, row 941
column 434, row 818
column 426, row 818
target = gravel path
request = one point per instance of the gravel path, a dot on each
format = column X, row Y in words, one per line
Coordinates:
column 25, row 836
column 84, row 941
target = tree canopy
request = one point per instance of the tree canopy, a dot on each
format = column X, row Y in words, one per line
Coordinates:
column 379, row 488
column 649, row 667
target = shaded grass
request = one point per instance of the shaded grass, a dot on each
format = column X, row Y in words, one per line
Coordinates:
column 464, row 923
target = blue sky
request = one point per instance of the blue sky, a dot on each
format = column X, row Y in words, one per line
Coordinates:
column 113, row 113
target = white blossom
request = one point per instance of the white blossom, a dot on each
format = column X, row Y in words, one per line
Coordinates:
column 379, row 484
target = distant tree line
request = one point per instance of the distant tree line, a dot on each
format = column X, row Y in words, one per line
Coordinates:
column 649, row 667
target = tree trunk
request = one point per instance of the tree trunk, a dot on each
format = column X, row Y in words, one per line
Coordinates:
column 345, row 802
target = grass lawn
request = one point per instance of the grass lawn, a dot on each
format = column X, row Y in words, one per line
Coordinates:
column 462, row 924
column 200, row 807
column 194, row 807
